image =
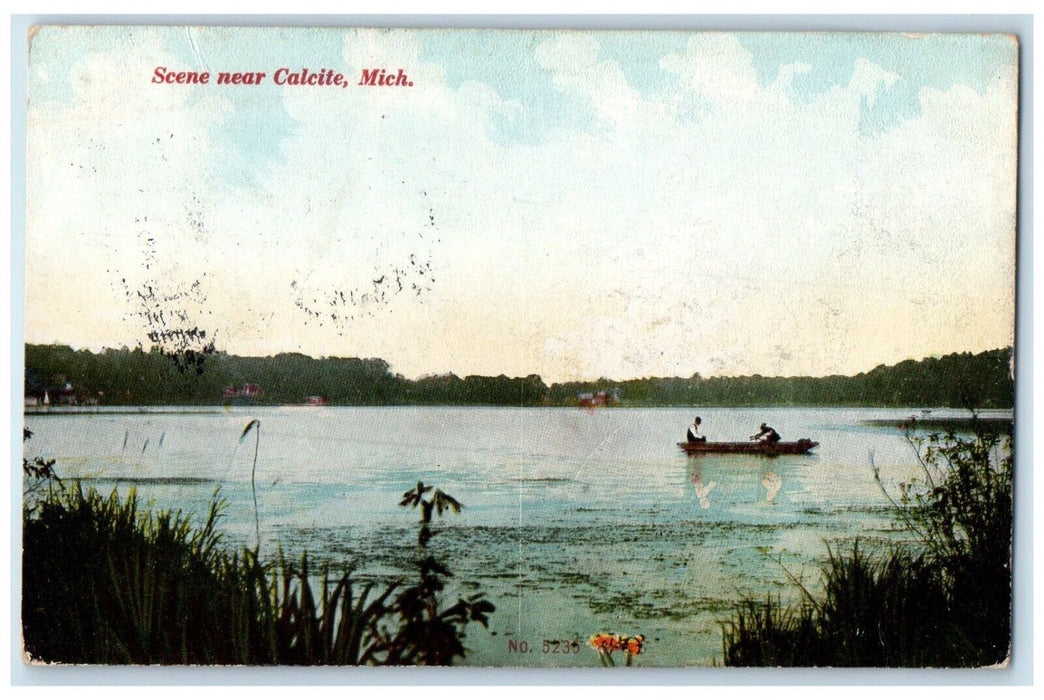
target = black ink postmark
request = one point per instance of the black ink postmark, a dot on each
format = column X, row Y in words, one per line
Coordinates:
column 394, row 276
column 166, row 311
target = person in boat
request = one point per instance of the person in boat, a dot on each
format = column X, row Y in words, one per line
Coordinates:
column 767, row 435
column 693, row 433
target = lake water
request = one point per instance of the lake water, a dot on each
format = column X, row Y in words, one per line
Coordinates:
column 574, row 522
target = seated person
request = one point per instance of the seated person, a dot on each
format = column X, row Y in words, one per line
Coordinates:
column 693, row 433
column 767, row 434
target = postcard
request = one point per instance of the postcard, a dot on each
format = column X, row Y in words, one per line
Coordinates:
column 518, row 348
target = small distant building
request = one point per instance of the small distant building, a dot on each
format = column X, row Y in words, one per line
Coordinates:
column 589, row 399
column 248, row 392
column 65, row 395
column 59, row 392
column 61, row 395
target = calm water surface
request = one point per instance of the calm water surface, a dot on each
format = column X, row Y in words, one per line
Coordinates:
column 574, row 523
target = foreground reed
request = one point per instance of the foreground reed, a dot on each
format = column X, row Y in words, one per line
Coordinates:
column 105, row 583
column 942, row 601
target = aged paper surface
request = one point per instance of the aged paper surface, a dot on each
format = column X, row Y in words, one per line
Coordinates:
column 434, row 309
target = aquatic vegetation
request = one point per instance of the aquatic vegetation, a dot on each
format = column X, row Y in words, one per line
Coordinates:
column 874, row 611
column 426, row 632
column 254, row 425
column 38, row 473
column 605, row 644
column 943, row 600
column 106, row 582
column 963, row 517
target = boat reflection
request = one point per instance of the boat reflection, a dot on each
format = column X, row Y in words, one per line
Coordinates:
column 772, row 482
column 702, row 490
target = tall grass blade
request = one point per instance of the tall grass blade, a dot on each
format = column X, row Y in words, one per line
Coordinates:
column 256, row 425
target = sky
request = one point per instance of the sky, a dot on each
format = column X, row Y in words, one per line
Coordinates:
column 570, row 204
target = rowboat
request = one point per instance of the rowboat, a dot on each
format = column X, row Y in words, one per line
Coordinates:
column 762, row 448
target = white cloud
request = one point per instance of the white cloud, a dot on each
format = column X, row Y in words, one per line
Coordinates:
column 571, row 59
column 715, row 66
column 868, row 79
column 659, row 240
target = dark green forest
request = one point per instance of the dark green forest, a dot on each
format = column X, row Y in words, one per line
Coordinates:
column 153, row 377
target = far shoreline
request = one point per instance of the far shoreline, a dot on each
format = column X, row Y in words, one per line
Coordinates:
column 205, row 409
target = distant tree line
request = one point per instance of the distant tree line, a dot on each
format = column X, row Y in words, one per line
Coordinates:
column 153, row 377
column 961, row 380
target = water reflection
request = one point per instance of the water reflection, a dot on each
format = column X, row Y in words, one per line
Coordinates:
column 702, row 490
column 542, row 487
column 772, row 483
